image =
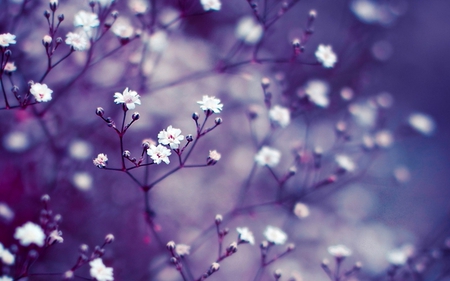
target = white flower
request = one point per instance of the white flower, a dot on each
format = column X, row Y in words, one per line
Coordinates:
column 326, row 56
column 211, row 5
column 159, row 153
column 7, row 257
column 170, row 137
column 101, row 160
column 339, row 251
column 301, row 210
column 122, row 28
column 280, row 115
column 422, row 123
column 268, row 156
column 182, row 249
column 317, row 92
column 138, row 6
column 275, row 235
column 10, row 67
column 6, row 39
column 30, row 233
column 129, row 98
column 77, row 41
column 41, row 92
column 87, row 21
column 384, row 139
column 346, row 163
column 99, row 271
column 214, row 155
column 245, row 235
column 5, row 278
column 249, row 30
column 210, row 103
column 55, row 236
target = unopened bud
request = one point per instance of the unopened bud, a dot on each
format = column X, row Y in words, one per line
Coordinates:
column 126, row 154
column 115, row 14
column 189, row 138
column 277, row 274
column 292, row 170
column 214, row 267
column 218, row 121
column 45, row 198
column 46, row 14
column 325, row 263
column 218, row 219
column 290, row 247
column 61, row 17
column 109, row 238
column 170, row 245
column 312, row 14
column 100, row 111
column 358, row 265
column 296, row 43
column 8, row 53
column 265, row 82
column 59, row 40
column 264, row 244
column 68, row 274
column 232, row 248
column 47, row 40
column 135, row 116
column 195, row 116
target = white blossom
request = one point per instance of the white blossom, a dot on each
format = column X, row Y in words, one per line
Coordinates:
column 138, row 6
column 326, row 56
column 422, row 123
column 301, row 210
column 101, row 160
column 182, row 249
column 159, row 153
column 6, row 212
column 55, row 236
column 317, row 92
column 346, row 163
column 87, row 21
column 245, row 235
column 210, row 103
column 214, row 155
column 275, row 235
column 99, row 271
column 10, row 67
column 249, row 30
column 339, row 251
column 268, row 156
column 280, row 115
column 171, row 137
column 7, row 39
column 122, row 28
column 366, row 113
column 41, row 92
column 77, row 41
column 128, row 97
column 211, row 5
column 30, row 233
column 7, row 257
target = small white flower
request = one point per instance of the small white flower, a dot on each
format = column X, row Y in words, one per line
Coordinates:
column 101, row 160
column 326, row 56
column 87, row 21
column 99, row 271
column 317, row 92
column 245, row 235
column 41, row 92
column 214, row 155
column 280, row 115
column 182, row 249
column 122, row 28
column 275, row 235
column 55, row 236
column 5, row 278
column 10, row 67
column 249, row 30
column 422, row 123
column 7, row 257
column 211, row 4
column 30, row 233
column 268, row 156
column 77, row 41
column 301, row 210
column 171, row 137
column 47, row 39
column 129, row 98
column 159, row 153
column 339, row 251
column 7, row 39
column 210, row 103
column 346, row 163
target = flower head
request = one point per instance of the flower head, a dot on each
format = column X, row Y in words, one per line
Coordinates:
column 129, row 98
column 280, row 115
column 317, row 92
column 182, row 249
column 213, row 157
column 122, row 28
column 55, row 236
column 87, row 21
column 100, row 272
column 339, row 251
column 268, row 156
column 326, row 56
column 211, row 4
column 41, row 92
column 275, row 235
column 159, row 153
column 77, row 41
column 6, row 39
column 210, row 103
column 101, row 160
column 171, row 137
column 30, row 233
column 245, row 235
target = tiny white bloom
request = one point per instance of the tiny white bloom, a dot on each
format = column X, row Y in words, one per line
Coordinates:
column 7, row 39
column 268, row 156
column 214, row 155
column 129, row 98
column 326, row 56
column 7, row 257
column 77, row 41
column 159, row 153
column 87, row 21
column 275, row 235
column 41, row 92
column 122, row 28
column 280, row 115
column 422, row 123
column 182, row 249
column 346, row 163
column 339, row 251
column 5, row 278
column 47, row 39
column 301, row 210
column 171, row 137
column 210, row 103
column 10, row 67
column 101, row 160
column 317, row 92
column 99, row 271
column 211, row 5
column 245, row 235
column 249, row 30
column 55, row 236
column 30, row 233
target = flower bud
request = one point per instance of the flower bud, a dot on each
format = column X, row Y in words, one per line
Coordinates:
column 45, row 198
column 109, row 238
column 59, row 40
column 8, row 53
column 218, row 219
column 100, row 111
column 47, row 40
column 265, row 82
column 84, row 248
column 189, row 138
column 277, row 274
column 135, row 116
column 195, row 116
column 218, row 121
column 61, row 17
column 214, row 267
column 115, row 14
column 126, row 154
column 47, row 14
column 170, row 245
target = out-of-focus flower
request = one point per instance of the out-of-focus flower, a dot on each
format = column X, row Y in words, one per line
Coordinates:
column 317, row 92
column 101, row 160
column 159, row 153
column 210, row 103
column 80, row 149
column 158, row 41
column 249, row 30
column 138, row 6
column 339, row 251
column 10, row 67
column 422, row 123
column 365, row 113
column 55, row 236
column 275, row 235
column 5, row 278
column 280, row 115
column 41, row 92
column 30, row 233
column 402, row 174
column 82, row 180
column 99, row 271
column 384, row 139
column 245, row 235
column 400, row 256
column 365, row 10
column 211, row 5
column 5, row 212
column 6, row 256
column 122, row 28
column 347, row 93
column 326, row 56
column 7, row 39
column 128, row 97
column 268, row 156
column 77, row 41
column 87, row 21
column 346, row 163
column 182, row 249
column 301, row 210
column 171, row 137
column 16, row 141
